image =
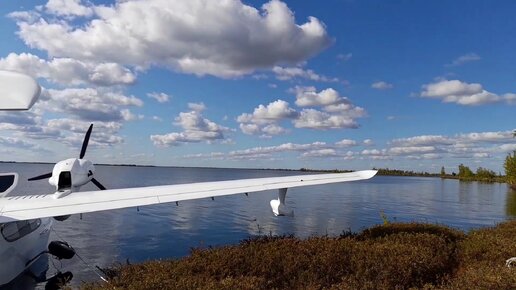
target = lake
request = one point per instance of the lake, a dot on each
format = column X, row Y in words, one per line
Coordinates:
column 165, row 231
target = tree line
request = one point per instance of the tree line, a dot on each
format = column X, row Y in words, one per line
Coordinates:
column 481, row 174
column 510, row 169
column 486, row 175
column 397, row 172
column 465, row 173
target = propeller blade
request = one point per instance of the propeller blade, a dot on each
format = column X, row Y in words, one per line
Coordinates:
column 98, row 184
column 85, row 142
column 43, row 176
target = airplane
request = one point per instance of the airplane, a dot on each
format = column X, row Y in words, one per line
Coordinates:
column 26, row 221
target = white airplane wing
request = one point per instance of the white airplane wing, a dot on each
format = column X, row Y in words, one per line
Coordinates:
column 47, row 205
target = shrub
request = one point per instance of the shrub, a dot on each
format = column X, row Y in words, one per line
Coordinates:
column 393, row 256
column 483, row 257
column 484, row 174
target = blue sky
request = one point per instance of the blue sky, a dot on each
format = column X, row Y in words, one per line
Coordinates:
column 412, row 85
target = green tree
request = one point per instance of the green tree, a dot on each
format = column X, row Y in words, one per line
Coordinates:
column 465, row 172
column 485, row 174
column 510, row 169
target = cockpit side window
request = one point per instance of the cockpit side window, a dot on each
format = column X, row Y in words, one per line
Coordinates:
column 6, row 181
column 13, row 231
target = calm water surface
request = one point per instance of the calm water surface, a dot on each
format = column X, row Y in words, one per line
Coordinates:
column 164, row 231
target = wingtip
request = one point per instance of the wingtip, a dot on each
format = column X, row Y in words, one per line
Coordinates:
column 366, row 174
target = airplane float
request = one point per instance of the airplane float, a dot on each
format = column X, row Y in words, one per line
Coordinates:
column 26, row 221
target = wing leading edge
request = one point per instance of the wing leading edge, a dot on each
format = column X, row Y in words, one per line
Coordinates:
column 40, row 206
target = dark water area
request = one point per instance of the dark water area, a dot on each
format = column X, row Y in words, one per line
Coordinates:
column 170, row 231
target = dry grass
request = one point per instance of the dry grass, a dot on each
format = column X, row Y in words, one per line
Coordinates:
column 393, row 256
column 483, row 256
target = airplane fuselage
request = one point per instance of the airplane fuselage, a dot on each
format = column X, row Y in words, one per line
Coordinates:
column 21, row 241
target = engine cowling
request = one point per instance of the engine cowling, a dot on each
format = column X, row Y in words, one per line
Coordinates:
column 71, row 174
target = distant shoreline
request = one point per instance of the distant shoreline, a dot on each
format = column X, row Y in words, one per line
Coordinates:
column 381, row 171
column 205, row 167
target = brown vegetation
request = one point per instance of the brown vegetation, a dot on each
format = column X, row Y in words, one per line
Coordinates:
column 392, row 256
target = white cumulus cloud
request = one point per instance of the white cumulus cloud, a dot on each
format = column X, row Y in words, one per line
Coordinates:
column 462, row 93
column 195, row 128
column 423, row 140
column 411, row 150
column 198, row 107
column 87, row 103
column 220, row 38
column 71, row 131
column 68, row 8
column 314, row 119
column 288, row 73
column 320, row 153
column 264, row 118
column 309, row 97
column 159, row 97
column 273, row 112
column 338, row 113
column 68, row 71
column 346, row 143
column 267, row 152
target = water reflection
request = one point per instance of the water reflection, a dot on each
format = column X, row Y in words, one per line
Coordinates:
column 29, row 280
column 510, row 203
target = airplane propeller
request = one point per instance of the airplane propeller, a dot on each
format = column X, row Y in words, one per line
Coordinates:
column 98, row 184
column 85, row 142
column 81, row 156
column 42, row 176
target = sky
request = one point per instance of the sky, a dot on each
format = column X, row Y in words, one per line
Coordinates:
column 337, row 84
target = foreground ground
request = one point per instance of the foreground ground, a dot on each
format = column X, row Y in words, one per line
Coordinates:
column 391, row 256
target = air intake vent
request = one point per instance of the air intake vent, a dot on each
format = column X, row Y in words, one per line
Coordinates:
column 65, row 180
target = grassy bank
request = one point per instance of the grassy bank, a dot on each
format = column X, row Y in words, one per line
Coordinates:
column 390, row 256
